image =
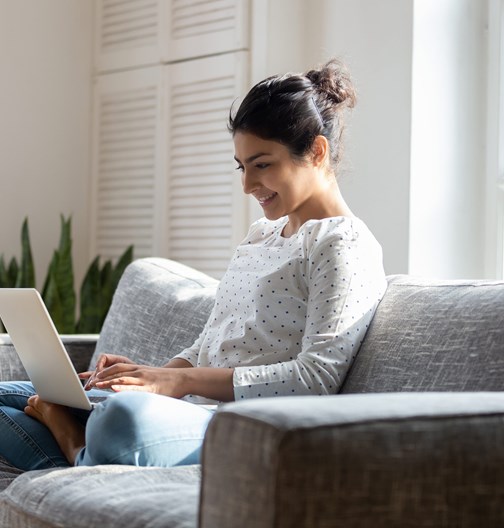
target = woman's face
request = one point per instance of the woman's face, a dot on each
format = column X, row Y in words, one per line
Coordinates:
column 282, row 186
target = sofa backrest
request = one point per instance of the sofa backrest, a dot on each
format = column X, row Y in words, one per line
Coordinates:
column 159, row 308
column 426, row 335
column 433, row 336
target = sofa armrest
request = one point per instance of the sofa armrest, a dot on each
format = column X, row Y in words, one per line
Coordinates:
column 11, row 367
column 79, row 347
column 382, row 460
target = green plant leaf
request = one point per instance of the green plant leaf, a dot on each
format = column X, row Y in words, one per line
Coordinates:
column 4, row 278
column 110, row 279
column 90, row 300
column 107, row 290
column 12, row 272
column 124, row 260
column 50, row 271
column 26, row 275
column 64, row 277
column 58, row 292
column 53, row 302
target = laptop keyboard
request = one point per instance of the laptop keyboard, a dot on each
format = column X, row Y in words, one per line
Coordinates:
column 97, row 399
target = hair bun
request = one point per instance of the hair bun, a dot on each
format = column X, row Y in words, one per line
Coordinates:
column 333, row 82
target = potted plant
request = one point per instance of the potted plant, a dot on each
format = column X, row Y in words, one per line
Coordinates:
column 58, row 292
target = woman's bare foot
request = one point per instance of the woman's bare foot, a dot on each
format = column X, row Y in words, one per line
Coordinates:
column 67, row 431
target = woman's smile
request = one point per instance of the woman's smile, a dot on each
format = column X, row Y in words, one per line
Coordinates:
column 266, row 200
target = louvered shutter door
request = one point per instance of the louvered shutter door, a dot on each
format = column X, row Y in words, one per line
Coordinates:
column 207, row 211
column 128, row 172
column 128, row 33
column 132, row 33
column 196, row 28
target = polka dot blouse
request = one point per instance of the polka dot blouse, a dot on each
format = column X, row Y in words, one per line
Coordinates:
column 291, row 313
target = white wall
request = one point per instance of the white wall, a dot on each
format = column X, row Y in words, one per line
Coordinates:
column 415, row 141
column 415, row 144
column 374, row 39
column 45, row 109
column 448, row 139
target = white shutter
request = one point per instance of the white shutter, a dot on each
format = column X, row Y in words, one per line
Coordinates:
column 207, row 211
column 128, row 182
column 197, row 28
column 128, row 33
column 133, row 33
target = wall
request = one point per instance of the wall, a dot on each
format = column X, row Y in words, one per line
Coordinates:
column 415, row 142
column 45, row 109
column 374, row 39
column 415, row 64
column 448, row 139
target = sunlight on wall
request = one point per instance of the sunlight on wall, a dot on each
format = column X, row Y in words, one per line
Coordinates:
column 447, row 139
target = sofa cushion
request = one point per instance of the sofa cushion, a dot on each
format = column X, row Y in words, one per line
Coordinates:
column 7, row 473
column 11, row 367
column 159, row 308
column 433, row 336
column 103, row 496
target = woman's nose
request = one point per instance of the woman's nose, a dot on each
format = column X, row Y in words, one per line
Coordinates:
column 247, row 183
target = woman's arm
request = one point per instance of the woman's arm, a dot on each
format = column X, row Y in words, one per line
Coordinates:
column 178, row 363
column 213, row 383
column 176, row 381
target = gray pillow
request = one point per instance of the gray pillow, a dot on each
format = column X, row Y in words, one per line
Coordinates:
column 159, row 308
column 433, row 335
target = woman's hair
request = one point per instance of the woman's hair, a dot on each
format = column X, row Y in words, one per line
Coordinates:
column 293, row 109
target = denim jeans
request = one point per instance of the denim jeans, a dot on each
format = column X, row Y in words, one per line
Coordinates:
column 136, row 428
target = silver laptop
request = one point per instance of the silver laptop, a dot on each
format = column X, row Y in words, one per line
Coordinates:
column 40, row 348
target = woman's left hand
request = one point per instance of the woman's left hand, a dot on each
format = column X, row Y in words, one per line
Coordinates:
column 159, row 380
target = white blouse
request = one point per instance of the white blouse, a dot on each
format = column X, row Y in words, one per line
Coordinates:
column 290, row 313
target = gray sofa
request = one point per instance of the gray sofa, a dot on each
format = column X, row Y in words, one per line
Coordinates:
column 414, row 439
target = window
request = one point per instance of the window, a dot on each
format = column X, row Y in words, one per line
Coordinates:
column 494, row 242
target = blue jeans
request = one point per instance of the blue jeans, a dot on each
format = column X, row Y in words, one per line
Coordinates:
column 136, row 428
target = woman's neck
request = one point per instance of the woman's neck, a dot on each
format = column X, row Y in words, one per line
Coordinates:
column 329, row 204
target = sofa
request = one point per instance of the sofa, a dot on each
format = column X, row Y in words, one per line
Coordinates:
column 415, row 437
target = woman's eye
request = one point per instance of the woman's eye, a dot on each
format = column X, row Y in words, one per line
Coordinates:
column 262, row 165
column 239, row 168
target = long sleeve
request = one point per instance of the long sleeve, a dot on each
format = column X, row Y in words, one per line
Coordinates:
column 345, row 282
column 191, row 354
column 290, row 313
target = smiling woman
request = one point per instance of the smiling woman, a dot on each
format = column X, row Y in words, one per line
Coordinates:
column 288, row 133
column 290, row 312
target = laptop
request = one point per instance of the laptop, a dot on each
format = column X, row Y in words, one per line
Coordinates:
column 40, row 348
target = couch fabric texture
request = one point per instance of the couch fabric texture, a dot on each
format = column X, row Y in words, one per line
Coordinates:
column 430, row 455
column 357, row 461
column 433, row 336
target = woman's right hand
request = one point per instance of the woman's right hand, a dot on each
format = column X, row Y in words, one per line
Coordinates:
column 104, row 361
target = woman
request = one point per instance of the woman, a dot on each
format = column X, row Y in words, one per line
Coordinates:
column 290, row 312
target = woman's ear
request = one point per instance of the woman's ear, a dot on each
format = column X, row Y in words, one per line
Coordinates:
column 320, row 151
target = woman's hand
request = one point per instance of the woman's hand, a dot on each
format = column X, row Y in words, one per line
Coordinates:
column 104, row 361
column 129, row 376
column 213, row 383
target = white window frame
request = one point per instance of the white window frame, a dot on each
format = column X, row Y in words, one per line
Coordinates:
column 494, row 232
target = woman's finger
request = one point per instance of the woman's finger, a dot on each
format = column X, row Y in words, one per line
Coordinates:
column 102, row 362
column 122, row 388
column 123, row 380
column 114, row 370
